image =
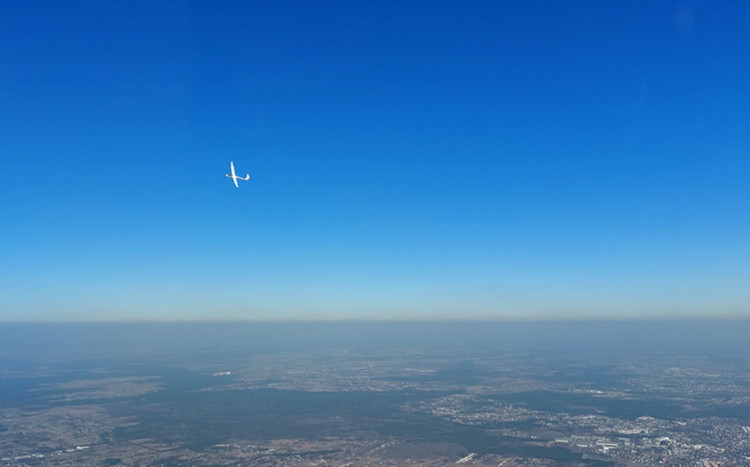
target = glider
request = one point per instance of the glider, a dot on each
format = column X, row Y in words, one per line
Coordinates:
column 235, row 177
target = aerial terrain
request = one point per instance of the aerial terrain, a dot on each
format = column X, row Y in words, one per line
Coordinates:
column 545, row 394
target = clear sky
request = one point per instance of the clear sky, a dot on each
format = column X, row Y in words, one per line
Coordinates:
column 409, row 160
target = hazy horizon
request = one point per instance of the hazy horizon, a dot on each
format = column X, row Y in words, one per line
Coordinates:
column 405, row 320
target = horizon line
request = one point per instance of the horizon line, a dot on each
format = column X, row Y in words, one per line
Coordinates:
column 384, row 321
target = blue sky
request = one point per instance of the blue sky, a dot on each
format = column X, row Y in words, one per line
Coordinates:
column 408, row 160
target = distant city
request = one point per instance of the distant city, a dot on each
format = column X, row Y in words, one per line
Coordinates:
column 357, row 394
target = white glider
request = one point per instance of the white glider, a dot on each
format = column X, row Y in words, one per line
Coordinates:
column 234, row 176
